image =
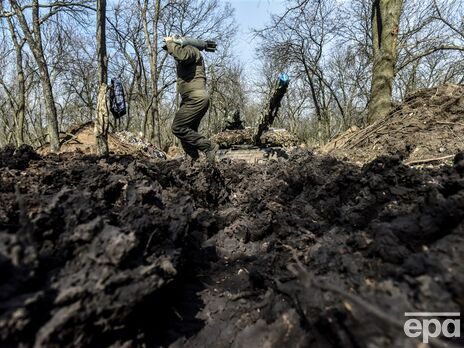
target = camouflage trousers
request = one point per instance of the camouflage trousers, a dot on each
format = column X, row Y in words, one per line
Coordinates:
column 187, row 120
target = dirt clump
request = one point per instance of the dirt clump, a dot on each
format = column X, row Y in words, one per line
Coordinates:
column 17, row 158
column 131, row 252
column 427, row 127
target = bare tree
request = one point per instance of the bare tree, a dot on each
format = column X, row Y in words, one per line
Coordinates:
column 102, row 116
column 431, row 45
column 135, row 33
column 299, row 38
column 33, row 36
column 19, row 99
column 355, row 56
column 72, row 58
column 227, row 94
column 31, row 28
column 385, row 28
column 151, row 42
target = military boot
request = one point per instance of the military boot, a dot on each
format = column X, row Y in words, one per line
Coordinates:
column 212, row 152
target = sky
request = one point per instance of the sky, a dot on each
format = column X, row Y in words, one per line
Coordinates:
column 252, row 14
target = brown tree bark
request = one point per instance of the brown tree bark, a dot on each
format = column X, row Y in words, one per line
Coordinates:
column 153, row 113
column 34, row 39
column 102, row 113
column 20, row 101
column 102, row 121
column 101, row 42
column 385, row 23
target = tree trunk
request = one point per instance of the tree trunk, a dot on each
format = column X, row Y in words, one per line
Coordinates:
column 20, row 107
column 153, row 113
column 52, row 117
column 385, row 23
column 101, row 42
column 154, row 73
column 102, row 113
column 52, row 120
column 102, row 121
column 34, row 39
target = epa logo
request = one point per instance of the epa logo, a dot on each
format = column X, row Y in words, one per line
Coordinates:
column 428, row 325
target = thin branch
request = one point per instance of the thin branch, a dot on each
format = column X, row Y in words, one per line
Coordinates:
column 429, row 52
column 428, row 160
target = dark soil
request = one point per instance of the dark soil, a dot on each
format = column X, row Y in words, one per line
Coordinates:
column 124, row 252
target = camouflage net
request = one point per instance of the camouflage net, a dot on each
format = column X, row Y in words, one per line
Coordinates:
column 270, row 138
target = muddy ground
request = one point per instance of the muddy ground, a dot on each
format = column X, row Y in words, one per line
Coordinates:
column 313, row 251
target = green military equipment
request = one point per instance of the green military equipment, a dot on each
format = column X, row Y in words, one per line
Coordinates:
column 257, row 144
column 268, row 116
column 235, row 123
column 202, row 45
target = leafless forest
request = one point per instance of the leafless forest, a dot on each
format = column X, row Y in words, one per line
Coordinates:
column 49, row 69
column 325, row 245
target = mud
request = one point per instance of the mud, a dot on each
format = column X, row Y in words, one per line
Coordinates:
column 312, row 251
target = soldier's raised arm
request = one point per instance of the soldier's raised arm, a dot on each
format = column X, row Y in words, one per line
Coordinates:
column 185, row 55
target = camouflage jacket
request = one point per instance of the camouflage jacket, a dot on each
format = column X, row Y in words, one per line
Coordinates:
column 190, row 67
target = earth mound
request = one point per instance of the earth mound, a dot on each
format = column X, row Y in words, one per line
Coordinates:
column 313, row 251
column 427, row 128
column 81, row 138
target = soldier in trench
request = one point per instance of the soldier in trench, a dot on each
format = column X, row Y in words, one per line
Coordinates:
column 191, row 85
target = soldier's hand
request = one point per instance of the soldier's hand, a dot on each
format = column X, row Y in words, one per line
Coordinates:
column 168, row 39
